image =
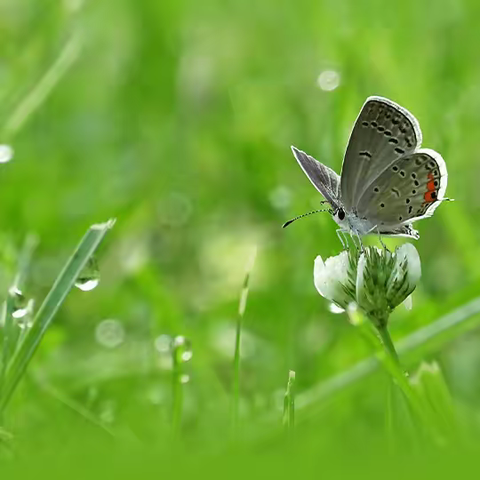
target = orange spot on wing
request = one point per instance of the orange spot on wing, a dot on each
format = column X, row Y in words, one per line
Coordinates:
column 430, row 194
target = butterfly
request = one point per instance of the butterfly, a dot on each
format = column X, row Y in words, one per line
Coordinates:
column 387, row 181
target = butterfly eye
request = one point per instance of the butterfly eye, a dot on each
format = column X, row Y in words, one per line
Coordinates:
column 341, row 214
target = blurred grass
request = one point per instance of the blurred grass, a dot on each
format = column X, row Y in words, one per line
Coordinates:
column 176, row 118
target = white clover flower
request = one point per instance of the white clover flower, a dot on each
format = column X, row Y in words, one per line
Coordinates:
column 331, row 279
column 377, row 280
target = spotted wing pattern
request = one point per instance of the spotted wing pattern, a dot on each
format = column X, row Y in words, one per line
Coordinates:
column 383, row 133
column 408, row 189
column 325, row 180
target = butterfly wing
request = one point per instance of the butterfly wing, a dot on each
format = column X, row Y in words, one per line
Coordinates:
column 325, row 180
column 408, row 189
column 400, row 231
column 383, row 132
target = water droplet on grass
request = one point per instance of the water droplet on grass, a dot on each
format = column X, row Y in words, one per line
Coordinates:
column 182, row 348
column 187, row 355
column 87, row 285
column 408, row 302
column 6, row 153
column 335, row 308
column 89, row 277
column 20, row 303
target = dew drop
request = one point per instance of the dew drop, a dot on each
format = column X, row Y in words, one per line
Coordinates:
column 185, row 378
column 335, row 308
column 179, row 341
column 187, row 355
column 89, row 277
column 20, row 303
column 408, row 302
column 6, row 153
column 328, row 80
column 182, row 349
column 87, row 285
column 110, row 333
column 25, row 323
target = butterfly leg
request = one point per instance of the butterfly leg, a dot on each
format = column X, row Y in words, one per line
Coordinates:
column 341, row 237
column 381, row 241
column 360, row 243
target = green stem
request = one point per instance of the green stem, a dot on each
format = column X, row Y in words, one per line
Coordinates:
column 236, row 376
column 236, row 356
column 177, row 386
column 388, row 344
column 289, row 405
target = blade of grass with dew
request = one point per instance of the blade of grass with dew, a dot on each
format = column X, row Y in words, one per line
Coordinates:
column 177, row 385
column 49, row 308
column 289, row 405
column 10, row 335
column 238, row 337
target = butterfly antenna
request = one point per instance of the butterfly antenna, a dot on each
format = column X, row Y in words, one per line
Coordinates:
column 286, row 224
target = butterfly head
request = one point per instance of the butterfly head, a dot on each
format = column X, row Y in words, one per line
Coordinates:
column 339, row 215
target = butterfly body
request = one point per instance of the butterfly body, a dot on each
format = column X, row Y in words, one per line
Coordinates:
column 351, row 222
column 387, row 180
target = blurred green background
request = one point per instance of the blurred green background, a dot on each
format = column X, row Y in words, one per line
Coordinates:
column 176, row 117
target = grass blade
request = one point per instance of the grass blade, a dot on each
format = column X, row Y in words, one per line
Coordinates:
column 49, row 308
column 8, row 336
column 236, row 357
column 44, row 87
column 179, row 347
column 10, row 333
column 289, row 405
column 73, row 405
